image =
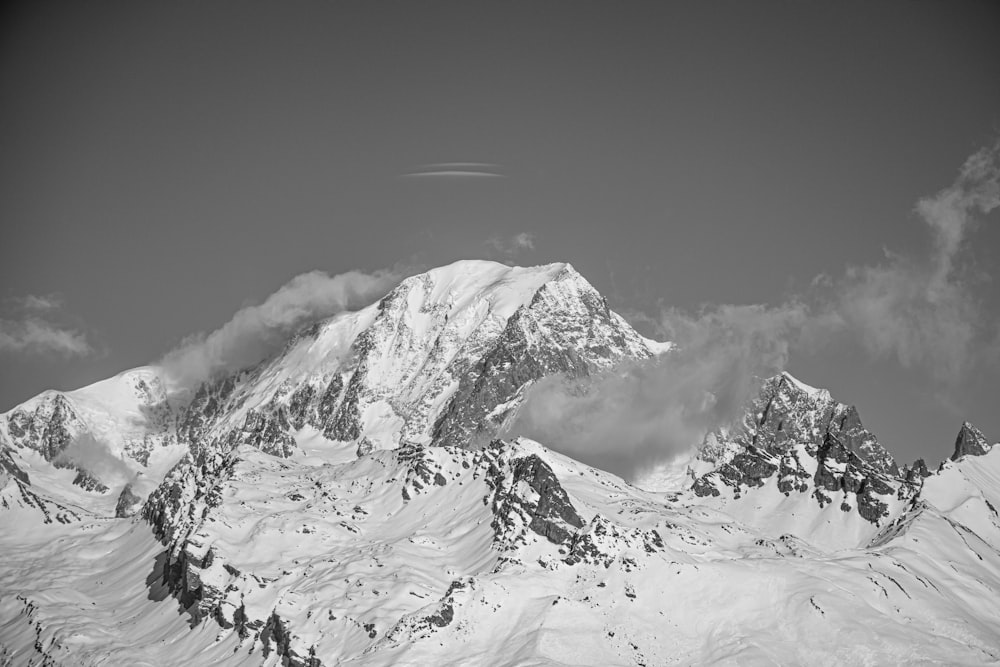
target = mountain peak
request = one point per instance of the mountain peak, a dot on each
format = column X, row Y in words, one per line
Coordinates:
column 471, row 282
column 970, row 442
column 798, row 441
column 812, row 392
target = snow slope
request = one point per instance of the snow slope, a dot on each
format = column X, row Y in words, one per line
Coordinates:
column 507, row 555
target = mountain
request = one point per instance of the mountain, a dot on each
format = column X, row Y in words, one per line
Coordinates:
column 442, row 358
column 803, row 463
column 346, row 500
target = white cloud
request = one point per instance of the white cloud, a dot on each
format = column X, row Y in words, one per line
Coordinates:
column 256, row 331
column 922, row 311
column 635, row 416
column 31, row 328
column 40, row 302
column 456, row 170
column 33, row 335
column 950, row 212
column 454, row 174
column 512, row 245
column 88, row 453
column 523, row 241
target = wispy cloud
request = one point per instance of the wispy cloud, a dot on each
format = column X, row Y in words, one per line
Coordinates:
column 88, row 453
column 31, row 326
column 256, row 331
column 458, row 170
column 920, row 311
column 511, row 246
column 635, row 416
column 40, row 302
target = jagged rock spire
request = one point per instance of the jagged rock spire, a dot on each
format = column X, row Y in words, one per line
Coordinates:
column 970, row 441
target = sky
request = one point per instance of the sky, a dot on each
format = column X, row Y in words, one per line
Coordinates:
column 164, row 165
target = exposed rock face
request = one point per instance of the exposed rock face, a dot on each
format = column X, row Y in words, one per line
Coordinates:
column 10, row 467
column 128, row 503
column 85, row 480
column 811, row 442
column 567, row 328
column 127, row 415
column 602, row 541
column 268, row 434
column 532, row 491
column 48, row 428
column 203, row 411
column 970, row 442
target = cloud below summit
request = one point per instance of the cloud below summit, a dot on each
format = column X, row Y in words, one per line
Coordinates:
column 628, row 419
column 920, row 311
column 256, row 331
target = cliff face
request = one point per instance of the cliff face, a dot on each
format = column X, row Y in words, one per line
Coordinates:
column 806, row 443
column 970, row 442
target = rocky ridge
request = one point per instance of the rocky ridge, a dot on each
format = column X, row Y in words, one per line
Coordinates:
column 807, row 443
column 970, row 442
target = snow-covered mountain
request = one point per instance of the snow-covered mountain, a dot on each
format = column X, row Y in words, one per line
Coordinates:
column 345, row 501
column 803, row 463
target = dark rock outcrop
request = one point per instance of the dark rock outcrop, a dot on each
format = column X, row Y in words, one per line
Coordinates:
column 970, row 442
column 86, row 480
column 48, row 429
column 553, row 510
column 270, row 434
column 547, row 511
column 8, row 465
column 567, row 329
column 128, row 503
column 788, row 422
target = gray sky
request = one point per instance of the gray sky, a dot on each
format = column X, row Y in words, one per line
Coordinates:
column 163, row 165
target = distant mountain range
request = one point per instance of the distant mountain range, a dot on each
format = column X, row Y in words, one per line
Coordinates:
column 348, row 501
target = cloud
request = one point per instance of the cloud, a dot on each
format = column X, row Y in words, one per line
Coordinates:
column 36, row 336
column 88, row 453
column 950, row 212
column 456, row 170
column 40, row 302
column 628, row 419
column 922, row 311
column 31, row 328
column 512, row 245
column 255, row 332
column 899, row 310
